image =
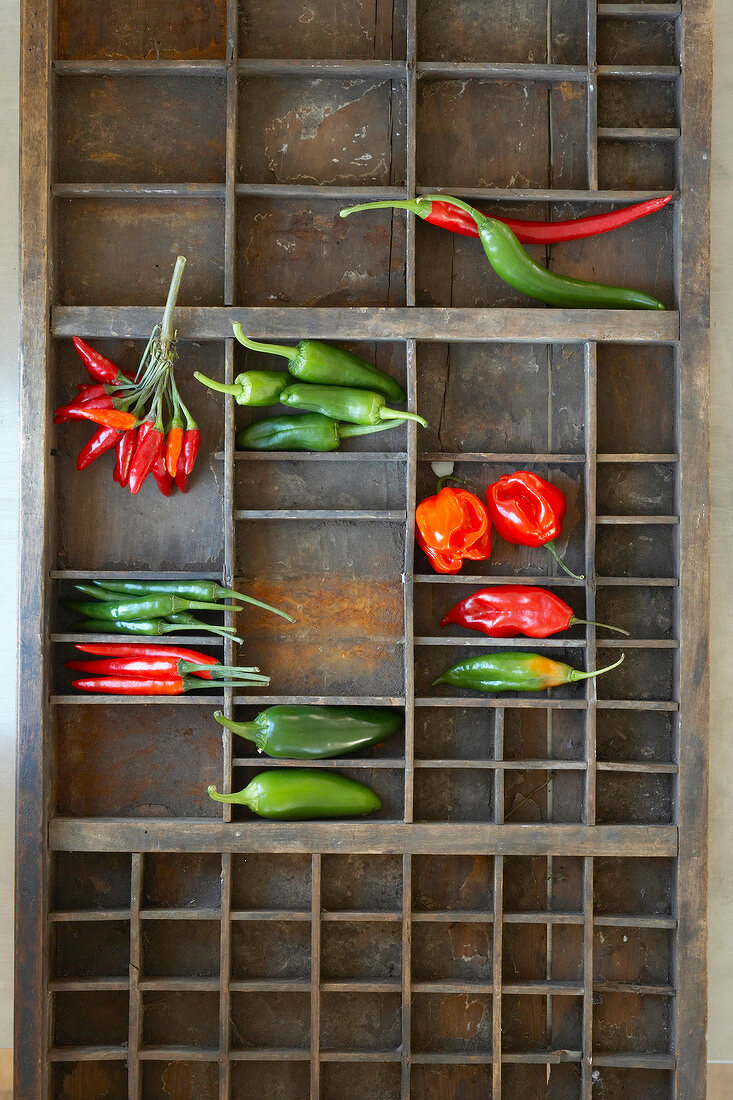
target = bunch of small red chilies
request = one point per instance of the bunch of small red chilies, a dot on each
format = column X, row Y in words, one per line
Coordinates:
column 141, row 669
column 142, row 416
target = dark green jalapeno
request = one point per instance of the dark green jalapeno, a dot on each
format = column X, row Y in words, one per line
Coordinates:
column 314, row 361
column 154, row 607
column 301, row 732
column 302, row 794
column 193, row 590
column 344, row 403
column 307, row 432
column 254, row 387
column 515, row 672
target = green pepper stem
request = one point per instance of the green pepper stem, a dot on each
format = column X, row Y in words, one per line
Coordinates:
column 575, row 675
column 420, row 206
column 166, row 327
column 347, row 431
column 235, row 798
column 268, row 349
column 592, row 622
column 217, row 672
column 243, row 729
column 229, row 593
column 561, row 563
column 220, row 387
column 192, row 683
column 395, row 414
column 448, row 477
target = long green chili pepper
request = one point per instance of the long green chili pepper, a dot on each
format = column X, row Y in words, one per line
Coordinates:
column 307, row 432
column 314, row 361
column 302, row 732
column 512, row 264
column 194, row 590
column 344, row 403
column 255, row 388
column 515, row 672
column 154, row 607
column 153, row 628
column 300, row 794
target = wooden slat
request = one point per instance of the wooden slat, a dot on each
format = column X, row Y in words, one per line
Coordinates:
column 134, row 1039
column 315, row 978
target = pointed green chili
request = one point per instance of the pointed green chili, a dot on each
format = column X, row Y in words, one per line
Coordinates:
column 302, row 794
column 515, row 672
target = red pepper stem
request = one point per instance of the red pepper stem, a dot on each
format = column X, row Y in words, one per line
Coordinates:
column 449, row 477
column 396, row 414
column 250, row 730
column 220, row 387
column 420, row 206
column 268, row 349
column 575, row 675
column 592, row 622
column 166, row 327
column 561, row 563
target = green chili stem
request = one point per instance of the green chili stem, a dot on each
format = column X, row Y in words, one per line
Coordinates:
column 220, row 387
column 592, row 622
column 449, row 477
column 561, row 563
column 419, row 206
column 268, row 349
column 347, row 431
column 244, row 729
column 166, row 328
column 387, row 414
column 575, row 675
column 234, row 798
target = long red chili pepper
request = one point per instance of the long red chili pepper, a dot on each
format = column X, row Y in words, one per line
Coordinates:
column 112, row 418
column 143, row 685
column 149, row 446
column 508, row 609
column 173, row 447
column 189, row 450
column 163, row 479
column 75, row 410
column 159, row 668
column 100, row 368
column 104, row 439
column 143, row 649
column 125, row 450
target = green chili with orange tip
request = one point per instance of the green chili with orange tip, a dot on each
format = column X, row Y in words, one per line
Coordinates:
column 515, row 672
column 303, row 794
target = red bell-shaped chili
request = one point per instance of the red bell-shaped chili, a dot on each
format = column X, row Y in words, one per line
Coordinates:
column 528, row 511
column 451, row 526
column 505, row 610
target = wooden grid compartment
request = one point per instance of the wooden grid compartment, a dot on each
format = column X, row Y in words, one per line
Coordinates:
column 521, row 917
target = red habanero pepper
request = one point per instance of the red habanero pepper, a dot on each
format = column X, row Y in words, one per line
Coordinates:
column 104, row 439
column 100, row 368
column 163, row 479
column 451, row 526
column 505, row 610
column 149, row 445
column 146, row 685
column 526, row 510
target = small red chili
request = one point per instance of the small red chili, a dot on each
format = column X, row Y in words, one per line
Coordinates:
column 149, row 446
column 104, row 439
column 189, row 450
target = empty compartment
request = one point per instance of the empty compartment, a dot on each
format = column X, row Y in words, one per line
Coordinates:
column 387, row 784
column 115, row 129
column 91, row 880
column 284, row 1080
column 92, row 510
column 269, row 1021
column 529, row 887
column 472, row 1082
column 535, row 734
column 361, row 882
column 536, row 795
column 180, row 949
column 527, row 956
column 461, row 30
column 356, row 261
column 325, row 131
column 637, row 166
column 454, row 733
column 368, row 950
column 181, row 880
column 360, row 1021
column 341, row 581
column 617, row 1083
column 644, row 612
column 454, row 794
column 96, row 1018
column 88, row 1080
column 298, row 484
column 527, row 1025
column 639, row 887
column 358, row 29
column 520, row 1079
column 271, row 882
column 634, row 798
column 643, row 955
column 91, row 949
column 636, row 550
column 270, row 949
column 163, row 1080
column 626, row 1023
column 113, row 30
column 451, row 950
column 456, row 128
column 121, row 252
column 457, row 1023
column 460, row 882
column 135, row 761
column 636, row 735
column 367, row 1080
column 494, row 397
column 646, row 674
column 636, row 489
column 632, row 379
column 178, row 1019
column 634, row 41
column 636, row 103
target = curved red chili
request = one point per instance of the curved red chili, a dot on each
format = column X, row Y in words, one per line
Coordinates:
column 505, row 610
column 104, row 439
column 187, row 459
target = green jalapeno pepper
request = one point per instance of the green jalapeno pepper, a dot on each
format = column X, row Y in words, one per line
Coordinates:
column 301, row 794
column 154, row 607
column 256, row 388
column 307, row 432
column 314, row 361
column 194, row 590
column 301, row 732
column 515, row 672
column 344, row 403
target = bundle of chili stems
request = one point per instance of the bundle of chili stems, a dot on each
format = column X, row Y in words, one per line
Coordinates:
column 139, row 669
column 142, row 416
